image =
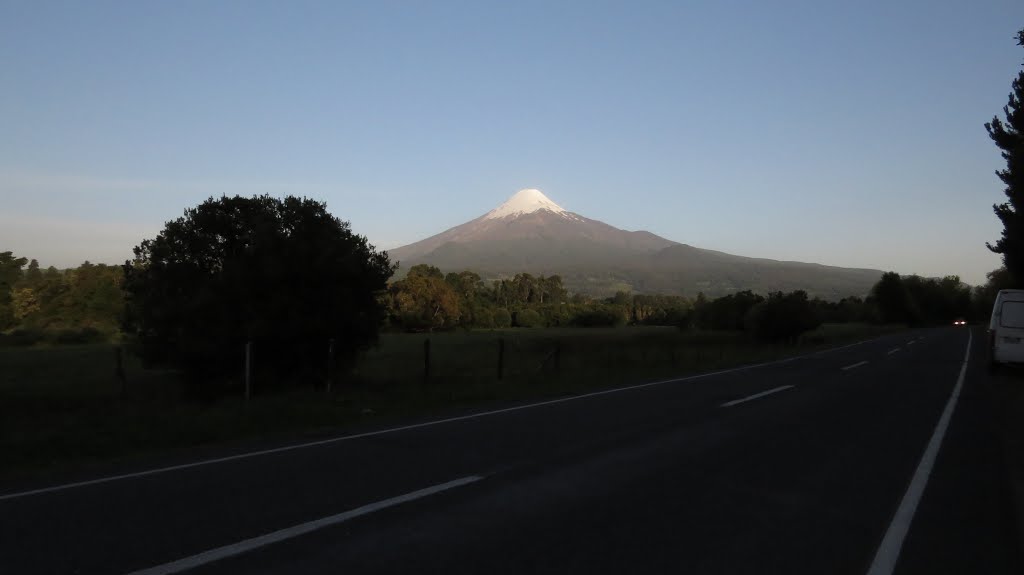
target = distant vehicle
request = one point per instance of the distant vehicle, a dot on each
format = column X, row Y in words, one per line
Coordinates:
column 959, row 321
column 1006, row 329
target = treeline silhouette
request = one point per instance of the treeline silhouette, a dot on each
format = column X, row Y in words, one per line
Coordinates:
column 427, row 300
column 85, row 304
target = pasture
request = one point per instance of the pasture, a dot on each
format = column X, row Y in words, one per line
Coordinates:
column 63, row 407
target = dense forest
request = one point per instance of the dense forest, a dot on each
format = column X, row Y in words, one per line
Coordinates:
column 62, row 306
column 86, row 303
column 426, row 299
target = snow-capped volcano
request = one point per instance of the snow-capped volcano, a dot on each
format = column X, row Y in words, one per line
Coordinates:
column 530, row 216
column 530, row 233
column 525, row 202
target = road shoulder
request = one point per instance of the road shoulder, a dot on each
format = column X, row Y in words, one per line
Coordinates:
column 1008, row 393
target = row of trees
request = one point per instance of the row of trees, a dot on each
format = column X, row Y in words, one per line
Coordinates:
column 91, row 296
column 916, row 300
column 427, row 299
column 88, row 297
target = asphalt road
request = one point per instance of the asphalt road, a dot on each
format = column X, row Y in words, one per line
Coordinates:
column 793, row 467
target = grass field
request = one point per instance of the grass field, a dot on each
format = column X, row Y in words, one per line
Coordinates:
column 62, row 407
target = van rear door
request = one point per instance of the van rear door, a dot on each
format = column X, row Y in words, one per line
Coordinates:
column 1008, row 344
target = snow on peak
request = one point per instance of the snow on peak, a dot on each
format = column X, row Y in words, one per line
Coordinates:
column 525, row 202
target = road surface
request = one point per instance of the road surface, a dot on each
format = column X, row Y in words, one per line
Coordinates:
column 836, row 462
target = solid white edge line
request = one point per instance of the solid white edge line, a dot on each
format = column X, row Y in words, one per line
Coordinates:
column 330, row 440
column 247, row 545
column 756, row 396
column 858, row 364
column 889, row 550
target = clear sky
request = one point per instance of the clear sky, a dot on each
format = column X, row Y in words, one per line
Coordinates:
column 845, row 133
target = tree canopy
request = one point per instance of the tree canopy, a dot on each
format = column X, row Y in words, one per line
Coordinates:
column 918, row 301
column 10, row 274
column 782, row 317
column 282, row 273
column 1008, row 136
column 70, row 306
column 423, row 301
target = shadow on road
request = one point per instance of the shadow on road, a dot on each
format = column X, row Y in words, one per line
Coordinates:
column 1006, row 388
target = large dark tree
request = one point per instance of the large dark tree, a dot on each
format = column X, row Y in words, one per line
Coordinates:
column 284, row 274
column 1009, row 137
column 891, row 296
column 984, row 296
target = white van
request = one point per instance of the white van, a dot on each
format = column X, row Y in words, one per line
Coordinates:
column 1006, row 328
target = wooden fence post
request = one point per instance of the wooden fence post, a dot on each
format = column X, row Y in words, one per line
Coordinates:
column 426, row 359
column 330, row 364
column 558, row 357
column 248, row 370
column 119, row 370
column 501, row 357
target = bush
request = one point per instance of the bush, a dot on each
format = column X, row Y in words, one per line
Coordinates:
column 22, row 338
column 529, row 318
column 78, row 336
column 483, row 317
column 502, row 318
column 599, row 317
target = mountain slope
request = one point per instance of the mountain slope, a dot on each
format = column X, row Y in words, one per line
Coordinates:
column 530, row 233
column 531, row 219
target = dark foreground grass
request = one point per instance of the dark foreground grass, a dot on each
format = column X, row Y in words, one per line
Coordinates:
column 63, row 407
